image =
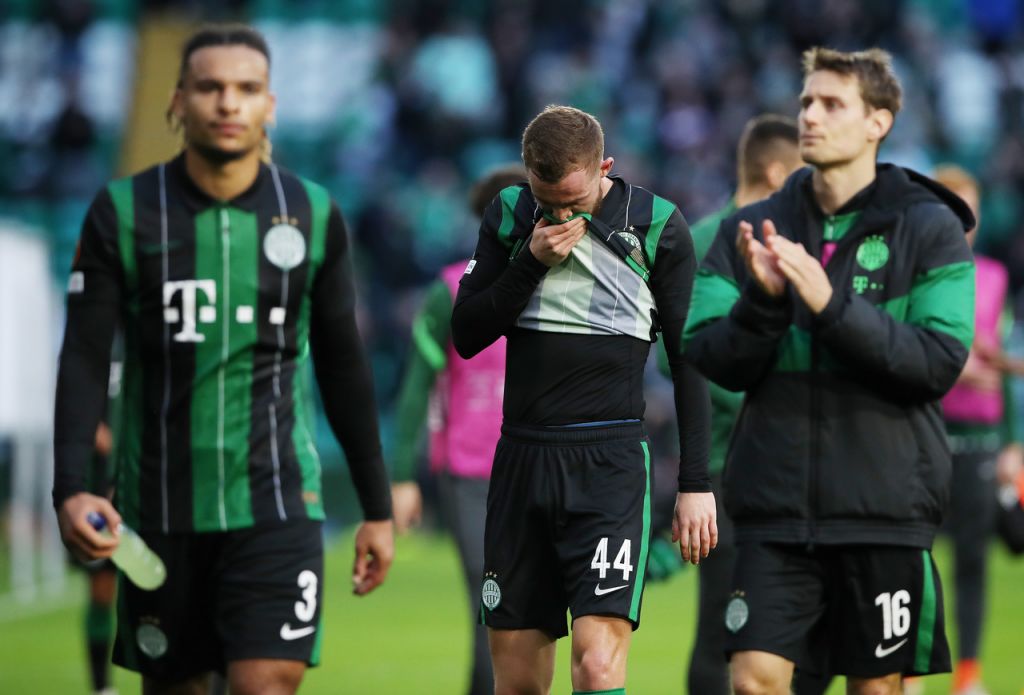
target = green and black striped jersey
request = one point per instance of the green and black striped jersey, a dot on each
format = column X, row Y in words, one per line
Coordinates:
column 222, row 303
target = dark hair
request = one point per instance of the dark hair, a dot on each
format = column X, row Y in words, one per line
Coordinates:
column 560, row 140
column 762, row 142
column 879, row 86
column 491, row 184
column 221, row 35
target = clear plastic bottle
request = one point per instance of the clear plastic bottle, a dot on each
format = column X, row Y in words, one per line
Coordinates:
column 139, row 563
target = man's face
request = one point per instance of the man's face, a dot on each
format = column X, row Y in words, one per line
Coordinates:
column 224, row 102
column 577, row 191
column 836, row 128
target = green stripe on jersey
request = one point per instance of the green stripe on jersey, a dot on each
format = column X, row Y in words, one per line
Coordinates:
column 509, row 199
column 943, row 299
column 302, row 432
column 129, row 427
column 641, row 565
column 124, row 204
column 926, row 622
column 661, row 211
column 713, row 297
column 227, row 252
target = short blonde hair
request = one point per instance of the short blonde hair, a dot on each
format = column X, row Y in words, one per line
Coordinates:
column 560, row 140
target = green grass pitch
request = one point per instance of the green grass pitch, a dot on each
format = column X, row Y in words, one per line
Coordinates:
column 411, row 636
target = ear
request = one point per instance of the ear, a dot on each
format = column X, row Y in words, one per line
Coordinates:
column 775, row 174
column 272, row 110
column 606, row 165
column 881, row 121
column 178, row 104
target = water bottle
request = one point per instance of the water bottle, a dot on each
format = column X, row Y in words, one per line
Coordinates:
column 133, row 557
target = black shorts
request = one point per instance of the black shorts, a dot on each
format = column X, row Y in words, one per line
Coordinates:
column 252, row 593
column 862, row 611
column 568, row 526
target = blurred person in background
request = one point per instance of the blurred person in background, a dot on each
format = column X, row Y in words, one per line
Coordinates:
column 768, row 152
column 463, row 398
column 226, row 274
column 578, row 270
column 983, row 427
column 843, row 306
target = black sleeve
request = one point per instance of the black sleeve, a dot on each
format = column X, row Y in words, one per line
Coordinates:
column 95, row 291
column 919, row 358
column 734, row 327
column 494, row 290
column 671, row 283
column 343, row 372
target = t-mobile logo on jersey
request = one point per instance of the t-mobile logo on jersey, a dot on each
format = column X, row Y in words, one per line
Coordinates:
column 190, row 290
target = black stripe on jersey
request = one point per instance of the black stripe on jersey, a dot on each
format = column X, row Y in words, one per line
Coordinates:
column 263, row 487
column 154, row 471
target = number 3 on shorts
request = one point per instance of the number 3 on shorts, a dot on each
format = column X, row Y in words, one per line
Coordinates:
column 306, row 608
column 621, row 562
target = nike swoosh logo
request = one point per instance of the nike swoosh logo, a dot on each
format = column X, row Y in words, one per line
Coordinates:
column 288, row 633
column 881, row 653
column 598, row 591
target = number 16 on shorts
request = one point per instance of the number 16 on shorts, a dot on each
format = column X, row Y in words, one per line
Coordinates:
column 622, row 563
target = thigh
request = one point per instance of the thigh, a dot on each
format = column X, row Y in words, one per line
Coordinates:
column 271, row 589
column 886, row 613
column 605, row 528
column 168, row 634
column 521, row 587
column 777, row 604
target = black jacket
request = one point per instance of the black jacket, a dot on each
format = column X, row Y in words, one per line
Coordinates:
column 840, row 439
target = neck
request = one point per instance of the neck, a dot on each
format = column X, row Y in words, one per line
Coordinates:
column 747, row 194
column 834, row 186
column 222, row 180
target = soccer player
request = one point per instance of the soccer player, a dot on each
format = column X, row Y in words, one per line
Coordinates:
column 227, row 273
column 843, row 306
column 982, row 424
column 579, row 270
column 464, row 400
column 766, row 155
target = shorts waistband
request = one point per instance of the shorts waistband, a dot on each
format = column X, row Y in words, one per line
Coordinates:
column 625, row 431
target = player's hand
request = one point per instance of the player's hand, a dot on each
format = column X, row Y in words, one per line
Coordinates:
column 375, row 549
column 406, row 505
column 980, row 374
column 1009, row 464
column 695, row 525
column 85, row 542
column 803, row 271
column 551, row 243
column 104, row 439
column 761, row 263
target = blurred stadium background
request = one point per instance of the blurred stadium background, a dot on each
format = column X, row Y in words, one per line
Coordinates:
column 396, row 106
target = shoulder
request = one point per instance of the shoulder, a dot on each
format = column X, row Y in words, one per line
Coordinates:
column 511, row 214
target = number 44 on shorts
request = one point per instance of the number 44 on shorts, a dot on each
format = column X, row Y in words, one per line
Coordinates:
column 621, row 562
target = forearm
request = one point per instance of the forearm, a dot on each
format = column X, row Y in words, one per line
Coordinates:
column 482, row 315
column 411, row 416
